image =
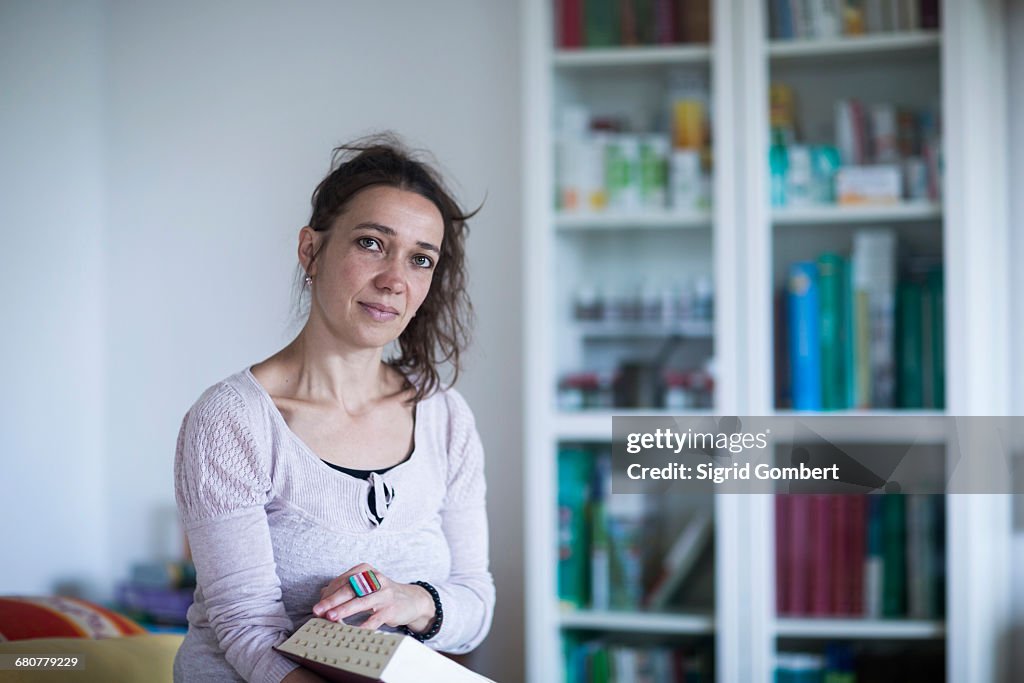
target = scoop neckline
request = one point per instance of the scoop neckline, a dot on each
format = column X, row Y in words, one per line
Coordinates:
column 265, row 395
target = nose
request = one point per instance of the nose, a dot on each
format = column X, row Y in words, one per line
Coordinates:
column 390, row 278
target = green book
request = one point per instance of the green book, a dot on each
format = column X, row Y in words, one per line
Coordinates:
column 909, row 346
column 938, row 335
column 600, row 666
column 849, row 339
column 601, row 23
column 833, row 355
column 894, row 555
column 574, row 475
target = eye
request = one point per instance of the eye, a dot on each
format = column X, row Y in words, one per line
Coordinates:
column 368, row 243
column 423, row 261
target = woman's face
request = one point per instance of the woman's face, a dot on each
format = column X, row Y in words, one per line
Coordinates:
column 376, row 267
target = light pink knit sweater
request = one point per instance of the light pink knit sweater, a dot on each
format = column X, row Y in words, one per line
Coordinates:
column 270, row 524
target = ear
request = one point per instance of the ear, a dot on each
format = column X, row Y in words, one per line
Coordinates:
column 309, row 243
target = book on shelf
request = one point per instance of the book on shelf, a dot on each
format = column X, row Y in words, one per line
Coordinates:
column 804, row 335
column 876, row 556
column 626, row 23
column 607, row 557
column 606, row 661
column 574, row 475
column 824, row 19
column 858, row 337
column 874, row 276
column 680, row 559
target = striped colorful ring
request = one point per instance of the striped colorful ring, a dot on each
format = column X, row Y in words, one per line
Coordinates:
column 364, row 583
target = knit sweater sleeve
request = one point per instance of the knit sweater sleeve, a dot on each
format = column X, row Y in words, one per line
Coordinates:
column 222, row 482
column 468, row 595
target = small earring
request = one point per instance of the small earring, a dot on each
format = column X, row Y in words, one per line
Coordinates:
column 309, row 280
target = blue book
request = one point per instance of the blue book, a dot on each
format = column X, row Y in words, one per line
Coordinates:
column 804, row 334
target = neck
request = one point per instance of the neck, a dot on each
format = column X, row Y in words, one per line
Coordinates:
column 318, row 371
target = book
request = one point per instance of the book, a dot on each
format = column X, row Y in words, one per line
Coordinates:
column 799, row 562
column 339, row 652
column 600, row 550
column 694, row 20
column 570, row 23
column 921, row 574
column 894, row 554
column 874, row 577
column 804, row 335
column 831, row 281
column 627, row 522
column 910, row 345
column 822, row 570
column 938, row 346
column 874, row 264
column 783, row 531
column 680, row 559
column 574, row 473
column 783, row 388
column 600, row 24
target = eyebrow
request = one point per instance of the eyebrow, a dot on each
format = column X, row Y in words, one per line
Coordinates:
column 390, row 232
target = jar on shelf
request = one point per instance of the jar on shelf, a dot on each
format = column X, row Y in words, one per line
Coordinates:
column 677, row 391
column 702, row 387
column 579, row 391
column 588, row 304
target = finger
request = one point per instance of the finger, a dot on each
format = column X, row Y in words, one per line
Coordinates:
column 339, row 590
column 377, row 619
column 373, row 601
column 342, row 579
column 329, row 602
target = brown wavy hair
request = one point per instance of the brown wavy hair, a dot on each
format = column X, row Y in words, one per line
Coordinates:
column 440, row 331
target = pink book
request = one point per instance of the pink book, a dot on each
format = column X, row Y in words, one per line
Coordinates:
column 842, row 550
column 858, row 517
column 570, row 23
column 799, row 554
column 782, row 554
column 664, row 22
column 821, row 555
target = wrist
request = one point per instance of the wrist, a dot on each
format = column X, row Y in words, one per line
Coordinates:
column 434, row 623
column 424, row 608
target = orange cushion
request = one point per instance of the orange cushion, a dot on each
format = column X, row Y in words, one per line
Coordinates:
column 59, row 617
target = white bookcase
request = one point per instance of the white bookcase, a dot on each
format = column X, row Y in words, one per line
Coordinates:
column 740, row 243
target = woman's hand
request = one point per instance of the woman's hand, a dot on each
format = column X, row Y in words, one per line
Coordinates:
column 395, row 604
column 301, row 675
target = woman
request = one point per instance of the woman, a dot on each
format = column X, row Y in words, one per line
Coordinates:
column 327, row 459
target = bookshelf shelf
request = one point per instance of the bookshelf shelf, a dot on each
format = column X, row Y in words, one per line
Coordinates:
column 632, row 56
column 911, row 426
column 823, row 215
column 638, row 330
column 596, row 425
column 881, row 629
column 626, row 221
column 639, row 622
column 879, row 47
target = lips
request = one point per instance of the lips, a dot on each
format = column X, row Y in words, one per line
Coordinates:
column 379, row 312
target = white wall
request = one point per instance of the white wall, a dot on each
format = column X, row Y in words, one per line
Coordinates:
column 51, row 271
column 209, row 124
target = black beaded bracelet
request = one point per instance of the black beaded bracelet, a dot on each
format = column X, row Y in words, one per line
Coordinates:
column 438, row 614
